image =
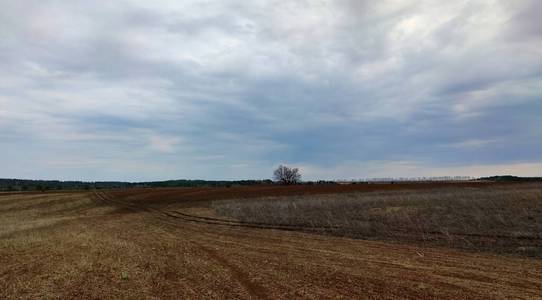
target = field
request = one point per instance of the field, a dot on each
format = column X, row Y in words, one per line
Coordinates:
column 397, row 241
column 498, row 219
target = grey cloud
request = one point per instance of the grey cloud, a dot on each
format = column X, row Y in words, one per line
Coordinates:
column 207, row 89
column 526, row 21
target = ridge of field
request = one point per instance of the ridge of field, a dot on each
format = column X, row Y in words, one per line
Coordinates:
column 127, row 244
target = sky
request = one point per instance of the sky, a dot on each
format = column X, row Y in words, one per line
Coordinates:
column 342, row 89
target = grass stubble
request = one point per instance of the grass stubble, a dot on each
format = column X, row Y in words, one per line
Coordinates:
column 70, row 246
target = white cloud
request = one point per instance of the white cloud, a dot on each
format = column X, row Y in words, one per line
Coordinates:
column 473, row 143
column 163, row 144
column 411, row 169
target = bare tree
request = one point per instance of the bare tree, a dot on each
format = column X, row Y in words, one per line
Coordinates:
column 286, row 175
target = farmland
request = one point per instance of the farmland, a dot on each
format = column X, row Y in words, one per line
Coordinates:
column 394, row 241
column 497, row 219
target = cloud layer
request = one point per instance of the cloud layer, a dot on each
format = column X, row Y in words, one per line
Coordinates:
column 139, row 90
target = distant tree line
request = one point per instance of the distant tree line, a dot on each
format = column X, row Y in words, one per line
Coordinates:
column 21, row 185
column 48, row 185
column 202, row 183
column 510, row 178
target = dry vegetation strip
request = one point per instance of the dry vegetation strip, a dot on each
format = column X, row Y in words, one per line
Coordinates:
column 190, row 197
column 74, row 246
column 502, row 219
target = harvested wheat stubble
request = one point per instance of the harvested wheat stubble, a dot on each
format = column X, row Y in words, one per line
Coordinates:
column 120, row 246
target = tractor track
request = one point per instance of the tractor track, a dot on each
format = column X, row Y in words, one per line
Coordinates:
column 255, row 290
column 218, row 221
column 314, row 229
column 175, row 246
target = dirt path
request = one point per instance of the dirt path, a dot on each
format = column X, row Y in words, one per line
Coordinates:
column 116, row 248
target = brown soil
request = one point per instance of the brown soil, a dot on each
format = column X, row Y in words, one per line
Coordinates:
column 116, row 245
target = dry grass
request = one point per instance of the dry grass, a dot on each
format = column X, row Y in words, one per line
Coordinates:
column 72, row 246
column 23, row 216
column 505, row 219
column 66, row 246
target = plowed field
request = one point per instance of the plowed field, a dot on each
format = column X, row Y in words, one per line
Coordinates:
column 163, row 243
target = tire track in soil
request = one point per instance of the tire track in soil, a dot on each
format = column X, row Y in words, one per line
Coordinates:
column 233, row 223
column 176, row 218
column 254, row 290
column 175, row 214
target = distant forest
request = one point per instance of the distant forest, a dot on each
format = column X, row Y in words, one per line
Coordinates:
column 21, row 185
column 13, row 185
column 509, row 178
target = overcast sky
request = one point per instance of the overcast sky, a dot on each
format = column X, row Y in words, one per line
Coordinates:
column 152, row 90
